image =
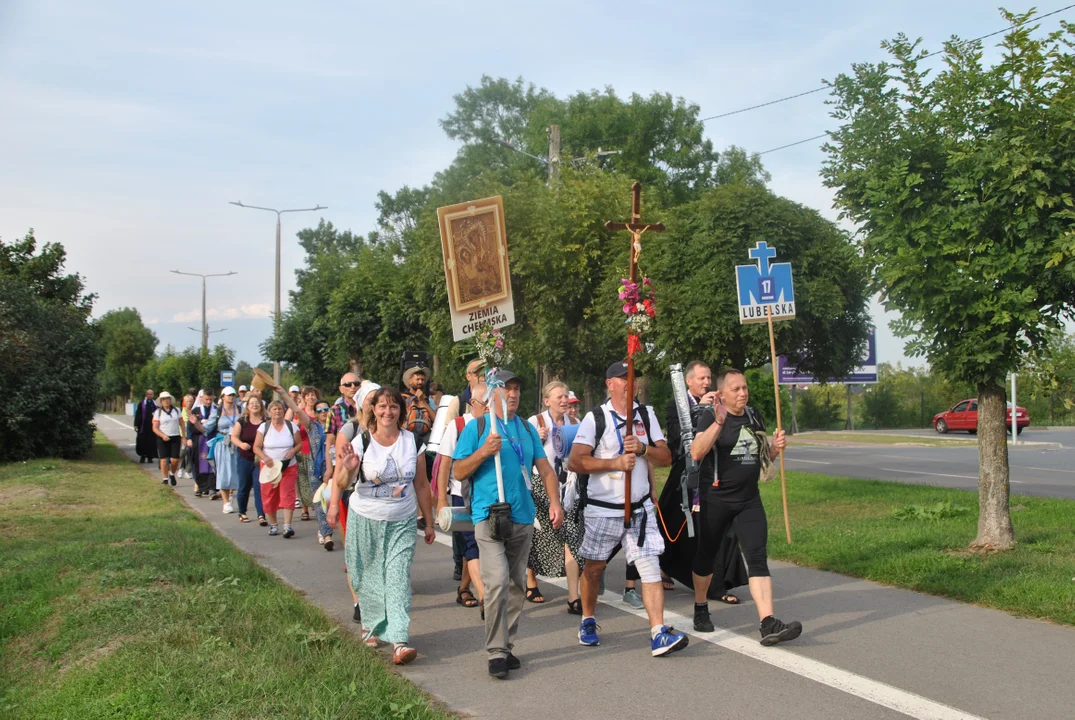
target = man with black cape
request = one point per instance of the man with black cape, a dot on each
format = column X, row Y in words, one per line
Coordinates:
column 145, row 443
column 678, row 557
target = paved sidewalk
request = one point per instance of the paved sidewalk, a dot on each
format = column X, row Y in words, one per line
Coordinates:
column 867, row 651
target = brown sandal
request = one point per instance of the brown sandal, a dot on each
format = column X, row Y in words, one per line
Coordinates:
column 305, row 516
column 466, row 598
column 243, row 518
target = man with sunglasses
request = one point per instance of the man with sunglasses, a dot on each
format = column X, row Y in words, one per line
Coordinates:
column 344, row 410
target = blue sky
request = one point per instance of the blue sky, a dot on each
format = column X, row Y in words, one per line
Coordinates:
column 128, row 126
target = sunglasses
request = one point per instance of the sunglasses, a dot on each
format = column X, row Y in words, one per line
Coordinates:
column 322, row 409
column 350, row 384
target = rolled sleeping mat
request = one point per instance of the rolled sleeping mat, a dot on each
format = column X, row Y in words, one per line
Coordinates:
column 440, row 424
column 563, row 437
column 455, row 519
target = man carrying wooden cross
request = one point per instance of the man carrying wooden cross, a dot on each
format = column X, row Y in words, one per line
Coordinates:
column 727, row 446
column 608, row 450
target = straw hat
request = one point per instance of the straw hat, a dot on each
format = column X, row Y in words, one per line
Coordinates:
column 271, row 474
column 165, row 394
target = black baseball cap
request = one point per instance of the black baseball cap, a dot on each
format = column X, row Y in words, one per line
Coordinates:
column 616, row 370
column 506, row 376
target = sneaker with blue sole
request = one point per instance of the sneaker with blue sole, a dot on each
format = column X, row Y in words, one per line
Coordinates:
column 668, row 641
column 588, row 633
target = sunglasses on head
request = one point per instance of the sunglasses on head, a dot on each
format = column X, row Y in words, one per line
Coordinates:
column 350, row 384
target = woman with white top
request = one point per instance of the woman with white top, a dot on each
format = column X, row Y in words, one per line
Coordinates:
column 311, row 460
column 380, row 541
column 553, row 552
column 169, row 431
column 278, row 443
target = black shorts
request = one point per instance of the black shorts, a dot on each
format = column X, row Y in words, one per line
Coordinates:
column 169, row 448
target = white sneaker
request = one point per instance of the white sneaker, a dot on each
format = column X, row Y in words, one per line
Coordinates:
column 228, row 508
column 298, row 504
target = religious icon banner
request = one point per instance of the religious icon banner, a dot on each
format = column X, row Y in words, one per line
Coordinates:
column 475, row 248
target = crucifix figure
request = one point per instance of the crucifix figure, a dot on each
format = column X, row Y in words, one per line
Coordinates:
column 636, row 227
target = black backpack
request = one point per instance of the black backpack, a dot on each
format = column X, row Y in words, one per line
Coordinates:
column 599, row 432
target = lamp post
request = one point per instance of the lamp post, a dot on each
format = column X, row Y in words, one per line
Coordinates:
column 276, row 302
column 205, row 326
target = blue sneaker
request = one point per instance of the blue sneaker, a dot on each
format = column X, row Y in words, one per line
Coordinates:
column 588, row 632
column 667, row 641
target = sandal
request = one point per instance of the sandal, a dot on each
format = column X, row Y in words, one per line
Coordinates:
column 243, row 518
column 305, row 516
column 668, row 583
column 404, row 655
column 465, row 597
column 574, row 607
column 729, row 599
column 533, row 594
column 262, row 521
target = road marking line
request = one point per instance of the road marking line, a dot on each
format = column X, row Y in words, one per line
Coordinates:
column 1031, row 467
column 917, row 472
column 125, row 426
column 812, row 462
column 879, row 693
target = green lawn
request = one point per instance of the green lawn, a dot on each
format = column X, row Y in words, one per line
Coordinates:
column 851, row 527
column 826, row 438
column 117, row 601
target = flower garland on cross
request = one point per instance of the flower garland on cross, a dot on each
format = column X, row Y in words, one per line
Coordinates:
column 638, row 304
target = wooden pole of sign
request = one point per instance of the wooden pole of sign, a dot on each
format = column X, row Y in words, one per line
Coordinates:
column 779, row 420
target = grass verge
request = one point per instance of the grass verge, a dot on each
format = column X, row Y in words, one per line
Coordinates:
column 916, row 537
column 117, row 601
column 827, row 438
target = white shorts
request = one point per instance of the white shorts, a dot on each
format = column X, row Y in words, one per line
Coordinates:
column 603, row 534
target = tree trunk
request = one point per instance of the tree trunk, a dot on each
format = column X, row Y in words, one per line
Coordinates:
column 355, row 361
column 994, row 515
column 643, row 390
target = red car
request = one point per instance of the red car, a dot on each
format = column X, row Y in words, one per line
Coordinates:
column 964, row 416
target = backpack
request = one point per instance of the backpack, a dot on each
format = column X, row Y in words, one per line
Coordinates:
column 583, row 481
column 290, row 428
column 419, row 418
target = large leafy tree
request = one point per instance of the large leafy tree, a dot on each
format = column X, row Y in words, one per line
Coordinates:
column 961, row 186
column 50, row 355
column 128, row 345
column 693, row 266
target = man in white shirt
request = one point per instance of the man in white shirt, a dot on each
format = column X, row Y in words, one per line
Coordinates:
column 606, row 459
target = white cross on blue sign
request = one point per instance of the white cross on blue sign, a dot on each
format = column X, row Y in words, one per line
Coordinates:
column 764, row 287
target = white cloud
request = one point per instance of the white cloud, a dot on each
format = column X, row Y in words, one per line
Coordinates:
column 151, row 321
column 224, row 313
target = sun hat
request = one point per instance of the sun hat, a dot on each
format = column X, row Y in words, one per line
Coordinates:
column 229, row 390
column 165, row 394
column 271, row 474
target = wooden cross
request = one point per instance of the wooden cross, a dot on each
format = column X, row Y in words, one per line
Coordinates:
column 636, row 227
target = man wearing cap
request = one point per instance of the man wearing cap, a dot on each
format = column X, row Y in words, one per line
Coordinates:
column 241, row 402
column 145, row 443
column 503, row 560
column 296, row 394
column 606, row 457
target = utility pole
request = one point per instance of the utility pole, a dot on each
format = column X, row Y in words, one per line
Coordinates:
column 554, row 153
column 205, row 326
column 276, row 301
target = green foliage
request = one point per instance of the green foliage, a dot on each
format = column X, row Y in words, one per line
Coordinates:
column 51, row 358
column 693, row 266
column 181, row 371
column 962, row 188
column 127, row 345
column 1046, row 385
column 822, row 407
column 942, row 510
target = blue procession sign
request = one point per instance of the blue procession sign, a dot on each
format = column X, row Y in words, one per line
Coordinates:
column 864, row 374
column 227, row 378
column 764, row 287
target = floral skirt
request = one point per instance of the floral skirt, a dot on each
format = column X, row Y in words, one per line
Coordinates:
column 547, row 551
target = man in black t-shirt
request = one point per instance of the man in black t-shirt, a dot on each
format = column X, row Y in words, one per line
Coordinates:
column 727, row 446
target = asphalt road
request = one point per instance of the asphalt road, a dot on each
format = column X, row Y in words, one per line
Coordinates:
column 867, row 651
column 1042, row 470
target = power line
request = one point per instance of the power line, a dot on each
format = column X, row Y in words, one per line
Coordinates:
column 825, row 87
column 798, row 142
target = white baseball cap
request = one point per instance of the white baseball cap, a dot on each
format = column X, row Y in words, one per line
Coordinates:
column 242, row 387
column 294, row 388
column 572, row 397
column 229, row 390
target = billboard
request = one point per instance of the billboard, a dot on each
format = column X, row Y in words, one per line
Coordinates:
column 864, row 374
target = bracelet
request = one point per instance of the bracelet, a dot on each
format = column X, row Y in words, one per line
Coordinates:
column 645, row 450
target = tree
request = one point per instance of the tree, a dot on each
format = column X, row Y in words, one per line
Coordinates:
column 51, row 358
column 693, row 267
column 961, row 188
column 128, row 345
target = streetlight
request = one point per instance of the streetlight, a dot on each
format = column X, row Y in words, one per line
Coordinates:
column 205, row 326
column 276, row 304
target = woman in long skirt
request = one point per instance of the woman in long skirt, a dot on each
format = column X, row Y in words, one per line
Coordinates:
column 380, row 541
column 225, row 455
column 554, row 552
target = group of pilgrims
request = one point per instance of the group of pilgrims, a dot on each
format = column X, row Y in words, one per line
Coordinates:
column 379, row 465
